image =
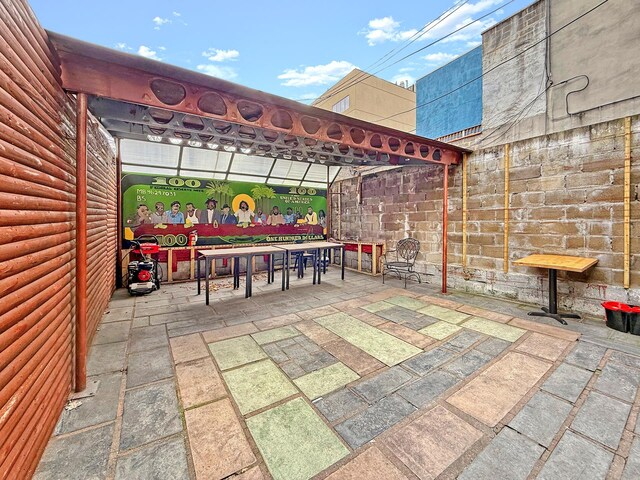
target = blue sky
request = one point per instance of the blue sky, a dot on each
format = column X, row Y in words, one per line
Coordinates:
column 293, row 49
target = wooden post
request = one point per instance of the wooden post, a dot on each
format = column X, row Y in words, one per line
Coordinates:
column 506, row 209
column 627, row 201
column 464, row 209
column 374, row 259
column 169, row 265
column 359, row 257
column 192, row 270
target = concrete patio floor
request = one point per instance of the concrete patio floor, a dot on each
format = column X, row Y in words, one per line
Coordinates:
column 348, row 380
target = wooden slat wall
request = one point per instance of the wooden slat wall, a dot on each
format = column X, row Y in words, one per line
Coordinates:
column 37, row 232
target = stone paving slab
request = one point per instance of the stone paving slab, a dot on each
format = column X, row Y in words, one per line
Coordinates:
column 619, row 381
column 463, row 340
column 602, row 419
column 163, row 460
column 314, row 313
column 563, row 333
column 369, row 464
column 367, row 425
column 398, row 314
column 258, row 385
column 294, row 442
column 431, row 443
column 315, row 332
column 276, row 322
column 468, row 363
column 382, row 384
column 404, row 333
column 236, row 351
column 147, row 338
column 573, row 451
column 199, row 382
column 377, row 306
column 494, row 329
column 543, row 346
column 386, row 348
column 632, row 467
column 217, row 440
column 360, row 362
column 149, row 366
column 187, row 348
column 406, row 302
column 150, row 413
column 428, row 388
column 440, row 330
column 419, row 322
column 325, row 380
column 488, row 314
column 495, row 391
column 77, row 457
column 427, row 361
column 541, row 418
column 442, row 302
column 567, row 382
column 444, row 314
column 274, row 335
column 509, row 456
column 492, row 346
column 625, row 359
column 340, row 404
column 100, row 408
column 226, row 333
column 586, row 355
column 106, row 358
column 112, row 333
column 252, row 474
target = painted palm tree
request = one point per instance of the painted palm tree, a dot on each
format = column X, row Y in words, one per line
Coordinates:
column 263, row 195
column 221, row 189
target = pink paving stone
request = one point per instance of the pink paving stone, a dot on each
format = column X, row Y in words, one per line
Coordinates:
column 253, row 474
column 442, row 302
column 406, row 334
column 493, row 393
column 276, row 322
column 187, row 348
column 317, row 312
column 354, row 358
column 488, row 314
column 229, row 332
column 434, row 441
column 546, row 329
column 392, row 292
column 199, row 382
column 544, row 346
column 353, row 303
column 316, row 332
column 368, row 465
column 367, row 317
column 218, row 444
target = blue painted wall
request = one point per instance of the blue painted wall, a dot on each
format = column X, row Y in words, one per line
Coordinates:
column 456, row 111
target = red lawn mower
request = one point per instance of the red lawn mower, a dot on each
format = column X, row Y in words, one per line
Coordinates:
column 144, row 275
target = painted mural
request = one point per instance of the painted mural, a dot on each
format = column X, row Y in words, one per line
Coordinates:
column 183, row 211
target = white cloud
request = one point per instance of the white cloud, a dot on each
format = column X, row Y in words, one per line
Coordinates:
column 160, row 22
column 123, row 46
column 176, row 14
column 474, row 43
column 387, row 29
column 217, row 55
column 162, row 48
column 307, row 96
column 145, row 51
column 439, row 58
column 226, row 73
column 316, row 75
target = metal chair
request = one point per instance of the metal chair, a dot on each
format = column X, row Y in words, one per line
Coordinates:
column 403, row 261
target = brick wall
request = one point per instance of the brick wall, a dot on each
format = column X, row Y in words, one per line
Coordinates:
column 566, row 197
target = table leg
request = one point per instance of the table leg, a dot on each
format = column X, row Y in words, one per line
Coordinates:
column 198, row 273
column 206, row 281
column 324, row 260
column 268, row 269
column 284, row 268
column 318, row 260
column 552, row 310
column 247, row 287
column 343, row 260
column 236, row 273
column 288, row 273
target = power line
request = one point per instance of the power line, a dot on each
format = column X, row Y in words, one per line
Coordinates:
column 367, row 75
column 498, row 65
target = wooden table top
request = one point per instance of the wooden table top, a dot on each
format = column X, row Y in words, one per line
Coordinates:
column 557, row 262
column 298, row 247
column 239, row 251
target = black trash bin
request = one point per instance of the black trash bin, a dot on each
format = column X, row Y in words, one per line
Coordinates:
column 616, row 316
column 634, row 319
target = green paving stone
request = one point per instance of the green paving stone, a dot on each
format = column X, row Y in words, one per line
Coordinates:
column 445, row 314
column 258, row 385
column 325, row 380
column 376, row 307
column 236, row 351
column 495, row 329
column 440, row 330
column 386, row 348
column 407, row 302
column 275, row 335
column 294, row 442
